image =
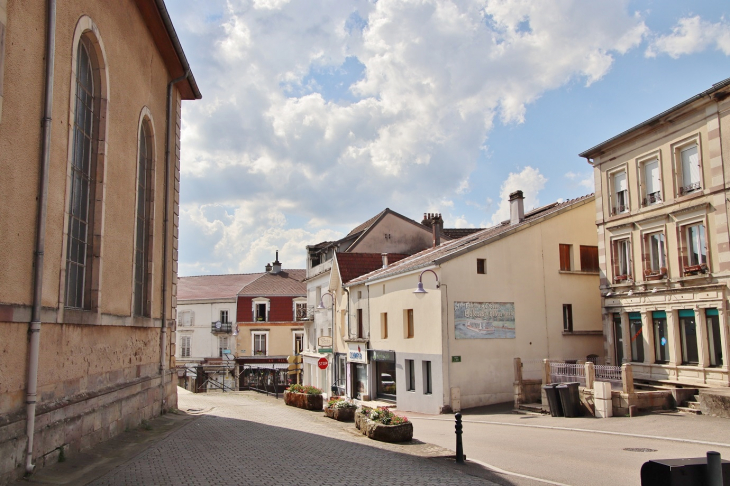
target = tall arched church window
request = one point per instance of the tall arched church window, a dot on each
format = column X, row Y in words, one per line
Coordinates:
column 79, row 255
column 142, row 230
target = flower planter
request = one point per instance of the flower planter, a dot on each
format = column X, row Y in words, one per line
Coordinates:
column 343, row 414
column 303, row 400
column 386, row 433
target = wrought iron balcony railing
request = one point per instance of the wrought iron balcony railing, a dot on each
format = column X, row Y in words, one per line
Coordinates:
column 218, row 326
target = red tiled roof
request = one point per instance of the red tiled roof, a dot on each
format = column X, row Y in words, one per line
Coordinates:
column 286, row 282
column 213, row 286
column 352, row 265
column 452, row 248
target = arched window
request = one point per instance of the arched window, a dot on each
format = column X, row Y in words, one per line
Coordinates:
column 142, row 242
column 79, row 253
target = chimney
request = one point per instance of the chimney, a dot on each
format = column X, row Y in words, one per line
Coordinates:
column 385, row 259
column 516, row 207
column 426, row 219
column 268, row 267
column 436, row 225
column 277, row 264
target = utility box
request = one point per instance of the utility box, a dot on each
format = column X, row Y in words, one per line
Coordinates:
column 680, row 472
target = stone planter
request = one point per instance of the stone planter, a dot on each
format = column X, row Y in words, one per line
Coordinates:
column 303, row 400
column 384, row 433
column 340, row 414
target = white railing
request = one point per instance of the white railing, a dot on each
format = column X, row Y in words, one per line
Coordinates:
column 608, row 373
column 566, row 372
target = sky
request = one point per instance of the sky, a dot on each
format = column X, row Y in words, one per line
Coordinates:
column 317, row 115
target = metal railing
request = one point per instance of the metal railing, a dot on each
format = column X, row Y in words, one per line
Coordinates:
column 217, row 326
column 532, row 369
column 608, row 373
column 567, row 372
column 271, row 381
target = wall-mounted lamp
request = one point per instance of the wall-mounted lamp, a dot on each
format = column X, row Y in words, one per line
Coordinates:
column 321, row 300
column 420, row 289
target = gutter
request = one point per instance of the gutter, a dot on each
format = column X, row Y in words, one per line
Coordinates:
column 34, row 330
column 168, row 163
column 592, row 152
column 162, row 9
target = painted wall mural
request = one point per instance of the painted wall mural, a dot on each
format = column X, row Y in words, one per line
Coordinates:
column 484, row 320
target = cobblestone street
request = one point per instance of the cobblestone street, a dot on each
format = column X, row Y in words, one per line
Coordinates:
column 247, row 438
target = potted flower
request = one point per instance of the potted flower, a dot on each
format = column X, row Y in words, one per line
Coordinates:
column 340, row 409
column 384, row 425
column 301, row 396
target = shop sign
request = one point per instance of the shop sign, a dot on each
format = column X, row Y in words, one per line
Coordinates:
column 356, row 353
column 324, row 350
column 456, row 359
column 324, row 342
column 377, row 355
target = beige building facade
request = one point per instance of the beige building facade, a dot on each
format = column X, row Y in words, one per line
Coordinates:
column 662, row 192
column 89, row 151
column 526, row 288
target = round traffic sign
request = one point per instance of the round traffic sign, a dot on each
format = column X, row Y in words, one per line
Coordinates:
column 322, row 363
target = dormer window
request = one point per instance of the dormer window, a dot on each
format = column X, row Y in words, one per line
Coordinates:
column 652, row 182
column 620, row 193
column 689, row 160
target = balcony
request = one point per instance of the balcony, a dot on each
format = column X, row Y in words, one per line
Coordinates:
column 652, row 198
column 218, row 327
column 689, row 188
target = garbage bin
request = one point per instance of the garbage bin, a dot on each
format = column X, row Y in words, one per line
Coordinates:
column 569, row 398
column 680, row 472
column 556, row 409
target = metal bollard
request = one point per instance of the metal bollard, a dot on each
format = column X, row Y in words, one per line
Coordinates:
column 714, row 469
column 459, row 445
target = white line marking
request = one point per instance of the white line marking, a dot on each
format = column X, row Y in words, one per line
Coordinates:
column 510, row 473
column 571, row 429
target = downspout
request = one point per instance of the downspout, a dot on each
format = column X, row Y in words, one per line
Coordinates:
column 35, row 324
column 168, row 163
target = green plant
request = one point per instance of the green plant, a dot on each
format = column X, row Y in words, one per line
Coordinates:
column 61, row 455
column 145, row 425
column 384, row 416
column 308, row 389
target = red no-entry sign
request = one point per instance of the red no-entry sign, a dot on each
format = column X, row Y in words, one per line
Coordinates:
column 322, row 363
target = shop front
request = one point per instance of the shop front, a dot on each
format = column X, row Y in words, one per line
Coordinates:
column 383, row 370
column 357, row 369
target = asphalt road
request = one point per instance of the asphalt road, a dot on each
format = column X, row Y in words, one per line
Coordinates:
column 596, row 454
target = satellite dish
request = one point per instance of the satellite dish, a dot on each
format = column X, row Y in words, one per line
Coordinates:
column 218, row 324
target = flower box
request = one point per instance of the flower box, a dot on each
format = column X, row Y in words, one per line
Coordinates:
column 340, row 414
column 376, row 430
column 303, row 400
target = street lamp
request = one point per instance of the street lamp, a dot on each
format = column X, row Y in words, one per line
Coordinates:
column 332, row 335
column 420, row 289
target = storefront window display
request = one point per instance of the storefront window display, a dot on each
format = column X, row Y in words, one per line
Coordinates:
column 713, row 337
column 359, row 374
column 688, row 337
column 661, row 337
column 385, row 384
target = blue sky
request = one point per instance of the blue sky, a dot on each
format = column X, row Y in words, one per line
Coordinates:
column 317, row 115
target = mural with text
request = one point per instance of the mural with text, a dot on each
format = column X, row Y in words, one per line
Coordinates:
column 484, row 320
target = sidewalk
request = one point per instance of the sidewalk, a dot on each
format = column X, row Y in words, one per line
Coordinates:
column 668, row 425
column 252, row 439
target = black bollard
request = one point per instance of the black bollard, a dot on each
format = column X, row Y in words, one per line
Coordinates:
column 459, row 445
column 714, row 469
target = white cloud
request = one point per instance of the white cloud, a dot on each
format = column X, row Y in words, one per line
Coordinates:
column 529, row 181
column 581, row 180
column 269, row 139
column 691, row 35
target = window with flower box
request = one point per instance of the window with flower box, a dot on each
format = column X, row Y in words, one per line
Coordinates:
column 693, row 248
column 689, row 169
column 620, row 199
column 655, row 260
column 621, row 260
column 651, row 175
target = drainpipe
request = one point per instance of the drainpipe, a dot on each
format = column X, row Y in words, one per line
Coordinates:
column 35, row 324
column 168, row 163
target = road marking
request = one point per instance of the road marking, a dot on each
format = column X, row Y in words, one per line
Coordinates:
column 572, row 429
column 510, row 473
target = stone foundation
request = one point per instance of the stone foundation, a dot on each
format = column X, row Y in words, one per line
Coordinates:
column 82, row 421
column 715, row 402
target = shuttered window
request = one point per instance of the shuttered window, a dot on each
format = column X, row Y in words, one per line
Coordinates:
column 565, row 258
column 589, row 258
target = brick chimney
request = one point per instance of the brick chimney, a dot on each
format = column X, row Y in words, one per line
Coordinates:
column 516, row 207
